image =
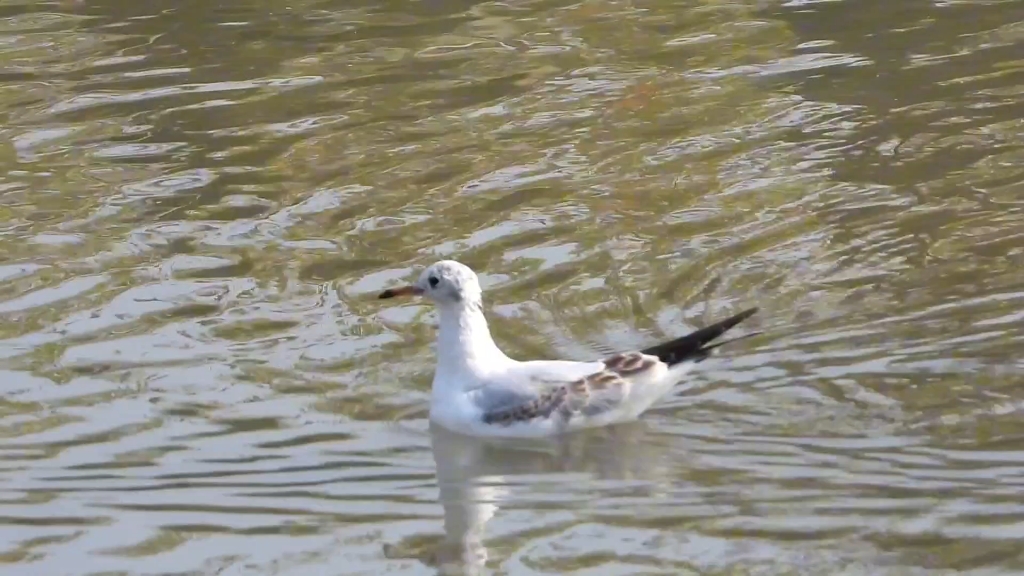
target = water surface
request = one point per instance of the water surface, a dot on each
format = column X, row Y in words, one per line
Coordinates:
column 199, row 202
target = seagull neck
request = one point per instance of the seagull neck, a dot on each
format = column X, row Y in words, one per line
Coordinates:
column 464, row 342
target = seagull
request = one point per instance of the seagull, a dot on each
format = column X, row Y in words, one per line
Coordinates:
column 479, row 391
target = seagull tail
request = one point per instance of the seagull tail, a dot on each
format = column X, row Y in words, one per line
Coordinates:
column 697, row 345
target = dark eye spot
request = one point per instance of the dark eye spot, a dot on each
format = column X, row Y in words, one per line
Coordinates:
column 433, row 281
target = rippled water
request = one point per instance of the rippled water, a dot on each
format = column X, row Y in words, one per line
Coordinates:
column 200, row 200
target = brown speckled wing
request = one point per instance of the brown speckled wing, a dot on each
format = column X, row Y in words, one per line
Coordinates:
column 630, row 363
column 590, row 395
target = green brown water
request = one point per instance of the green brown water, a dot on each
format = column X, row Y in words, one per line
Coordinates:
column 199, row 201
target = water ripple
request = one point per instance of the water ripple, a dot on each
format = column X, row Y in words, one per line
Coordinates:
column 201, row 202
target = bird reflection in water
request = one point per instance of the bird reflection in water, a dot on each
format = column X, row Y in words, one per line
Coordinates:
column 476, row 477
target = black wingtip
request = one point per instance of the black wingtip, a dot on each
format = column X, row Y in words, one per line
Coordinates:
column 697, row 345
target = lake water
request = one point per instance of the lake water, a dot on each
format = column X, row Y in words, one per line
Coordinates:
column 199, row 202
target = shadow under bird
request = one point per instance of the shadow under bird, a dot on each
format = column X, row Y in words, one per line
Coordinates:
column 479, row 391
